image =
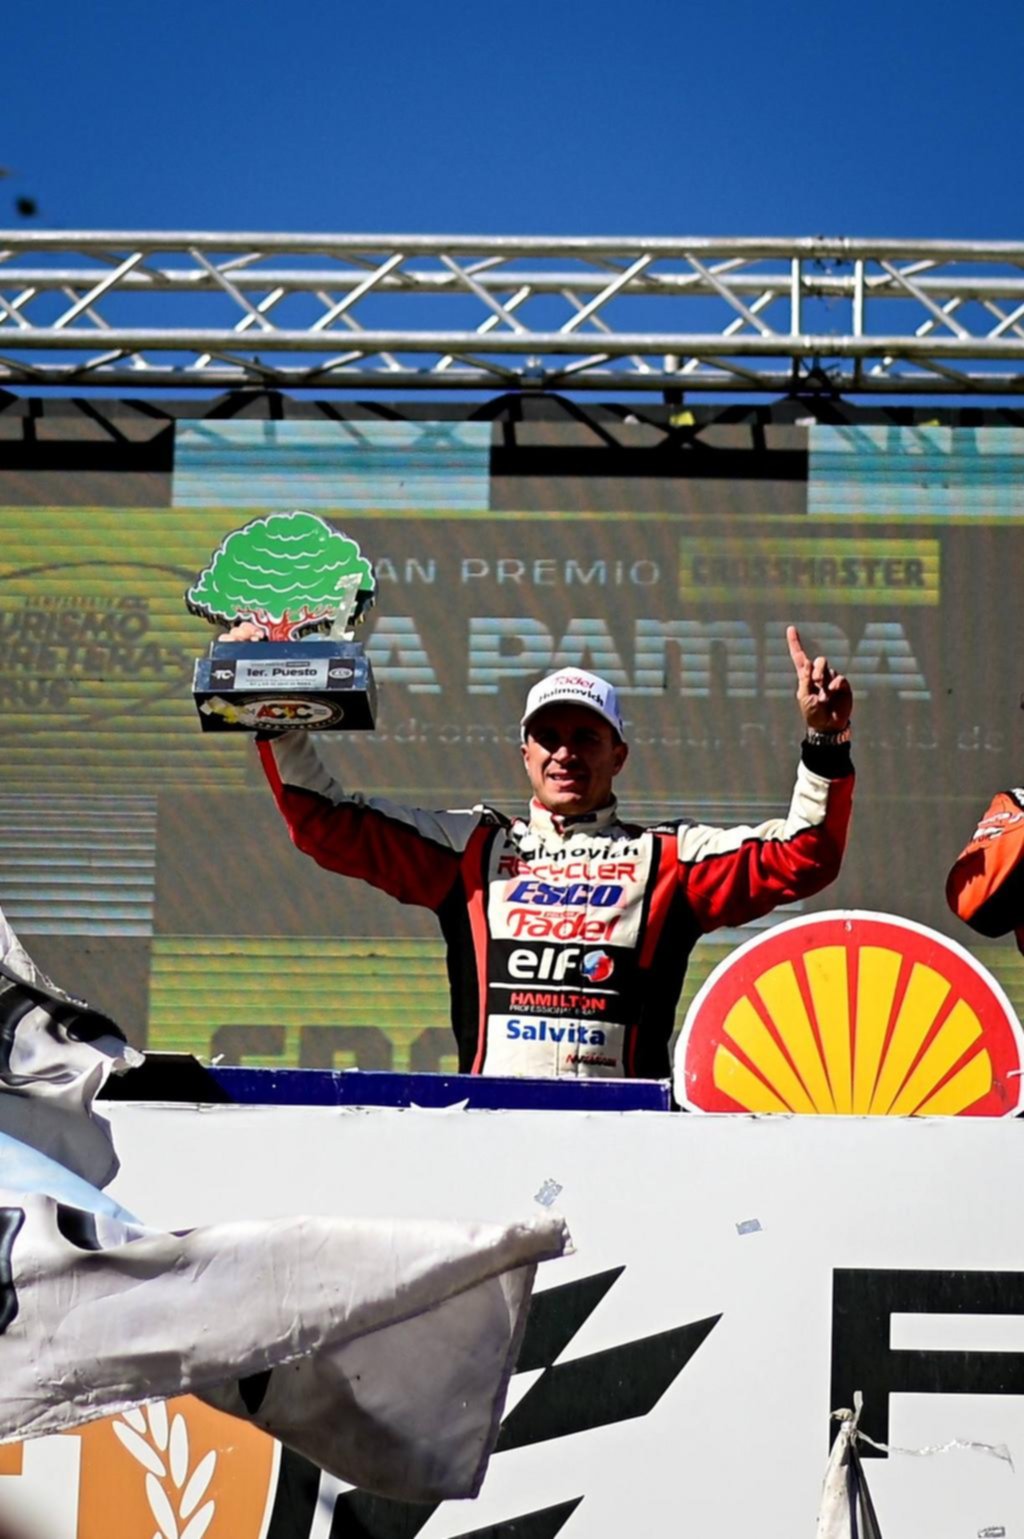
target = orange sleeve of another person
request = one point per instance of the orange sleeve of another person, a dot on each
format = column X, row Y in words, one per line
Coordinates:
column 985, row 887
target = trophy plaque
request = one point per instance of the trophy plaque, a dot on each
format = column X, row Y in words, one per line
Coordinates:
column 306, row 586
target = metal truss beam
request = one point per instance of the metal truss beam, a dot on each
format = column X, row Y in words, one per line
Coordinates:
column 211, row 310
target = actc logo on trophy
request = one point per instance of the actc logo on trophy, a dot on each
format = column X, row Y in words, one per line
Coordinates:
column 306, row 585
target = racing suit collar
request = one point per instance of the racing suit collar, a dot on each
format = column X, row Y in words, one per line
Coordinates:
column 549, row 824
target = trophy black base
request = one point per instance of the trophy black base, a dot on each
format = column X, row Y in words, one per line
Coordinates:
column 278, row 686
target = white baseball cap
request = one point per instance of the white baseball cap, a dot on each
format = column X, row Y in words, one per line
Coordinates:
column 575, row 686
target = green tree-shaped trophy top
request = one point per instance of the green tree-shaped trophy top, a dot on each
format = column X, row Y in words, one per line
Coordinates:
column 289, row 573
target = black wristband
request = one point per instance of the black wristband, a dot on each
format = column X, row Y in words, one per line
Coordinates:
column 831, row 761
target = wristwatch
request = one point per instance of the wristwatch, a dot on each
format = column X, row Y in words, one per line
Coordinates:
column 819, row 739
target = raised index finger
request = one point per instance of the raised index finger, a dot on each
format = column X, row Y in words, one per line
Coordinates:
column 796, row 647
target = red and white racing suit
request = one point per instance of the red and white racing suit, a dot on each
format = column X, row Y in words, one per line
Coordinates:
column 986, row 884
column 567, row 940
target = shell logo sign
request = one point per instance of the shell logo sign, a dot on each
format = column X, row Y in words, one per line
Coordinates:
column 173, row 1470
column 851, row 1013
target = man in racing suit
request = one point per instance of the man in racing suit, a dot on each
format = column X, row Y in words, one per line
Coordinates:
column 985, row 886
column 568, row 931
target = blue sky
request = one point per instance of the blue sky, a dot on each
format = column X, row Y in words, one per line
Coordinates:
column 558, row 117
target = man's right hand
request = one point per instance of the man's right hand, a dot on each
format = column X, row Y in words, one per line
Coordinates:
column 245, row 630
column 825, row 697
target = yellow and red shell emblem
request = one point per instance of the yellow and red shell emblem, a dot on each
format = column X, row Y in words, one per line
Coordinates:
column 852, row 1014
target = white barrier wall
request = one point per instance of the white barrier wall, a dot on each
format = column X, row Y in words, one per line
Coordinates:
column 766, row 1254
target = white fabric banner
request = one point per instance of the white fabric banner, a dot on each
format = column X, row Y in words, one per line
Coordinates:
column 398, row 1338
column 56, row 1053
column 380, row 1350
column 846, row 1511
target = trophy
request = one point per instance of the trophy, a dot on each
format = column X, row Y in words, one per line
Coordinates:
column 306, row 585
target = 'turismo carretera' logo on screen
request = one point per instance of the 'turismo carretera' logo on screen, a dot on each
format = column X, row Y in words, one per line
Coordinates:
column 851, row 1013
column 103, row 650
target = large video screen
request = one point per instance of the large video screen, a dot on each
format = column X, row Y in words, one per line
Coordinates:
column 142, row 860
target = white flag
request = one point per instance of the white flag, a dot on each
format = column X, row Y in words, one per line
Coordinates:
column 56, row 1053
column 380, row 1350
column 846, row 1510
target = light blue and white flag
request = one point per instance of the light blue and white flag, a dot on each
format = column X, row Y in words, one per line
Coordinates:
column 380, row 1350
